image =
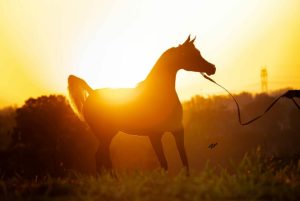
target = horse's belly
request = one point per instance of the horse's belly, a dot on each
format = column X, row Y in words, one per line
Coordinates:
column 133, row 116
column 134, row 121
column 150, row 119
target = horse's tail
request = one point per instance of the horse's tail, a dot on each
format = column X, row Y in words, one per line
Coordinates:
column 78, row 93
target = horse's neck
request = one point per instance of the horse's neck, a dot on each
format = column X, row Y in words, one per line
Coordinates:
column 161, row 78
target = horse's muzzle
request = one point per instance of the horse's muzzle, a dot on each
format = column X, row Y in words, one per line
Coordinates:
column 212, row 70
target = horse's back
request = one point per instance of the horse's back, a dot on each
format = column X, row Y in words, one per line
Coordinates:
column 109, row 102
column 119, row 97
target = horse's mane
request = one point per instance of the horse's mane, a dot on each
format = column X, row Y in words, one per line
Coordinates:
column 162, row 57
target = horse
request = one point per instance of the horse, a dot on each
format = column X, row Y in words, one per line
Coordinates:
column 150, row 109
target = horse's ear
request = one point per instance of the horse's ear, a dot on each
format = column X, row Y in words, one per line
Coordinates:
column 187, row 40
column 192, row 41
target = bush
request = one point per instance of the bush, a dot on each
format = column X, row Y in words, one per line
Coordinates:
column 49, row 139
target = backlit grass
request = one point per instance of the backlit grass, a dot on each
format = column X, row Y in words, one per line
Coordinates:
column 253, row 178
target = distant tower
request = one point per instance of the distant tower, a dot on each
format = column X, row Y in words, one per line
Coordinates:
column 264, row 79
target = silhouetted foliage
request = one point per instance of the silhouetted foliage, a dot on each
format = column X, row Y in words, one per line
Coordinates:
column 49, row 139
column 7, row 122
column 214, row 119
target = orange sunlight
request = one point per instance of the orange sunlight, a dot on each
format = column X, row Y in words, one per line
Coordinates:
column 116, row 43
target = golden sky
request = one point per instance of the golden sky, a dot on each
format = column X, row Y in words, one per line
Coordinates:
column 114, row 43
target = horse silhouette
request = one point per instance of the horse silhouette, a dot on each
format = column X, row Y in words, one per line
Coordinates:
column 150, row 109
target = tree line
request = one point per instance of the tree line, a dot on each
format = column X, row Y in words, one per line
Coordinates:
column 45, row 137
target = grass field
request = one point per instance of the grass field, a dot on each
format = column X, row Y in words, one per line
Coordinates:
column 250, row 179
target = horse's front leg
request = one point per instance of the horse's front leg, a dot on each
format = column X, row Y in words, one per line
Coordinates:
column 157, row 146
column 179, row 138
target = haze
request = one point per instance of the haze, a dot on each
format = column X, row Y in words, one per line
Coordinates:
column 116, row 43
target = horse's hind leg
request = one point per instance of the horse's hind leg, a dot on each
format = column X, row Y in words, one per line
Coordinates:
column 179, row 138
column 103, row 160
column 157, row 146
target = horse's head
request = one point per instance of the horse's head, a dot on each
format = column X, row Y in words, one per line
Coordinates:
column 190, row 59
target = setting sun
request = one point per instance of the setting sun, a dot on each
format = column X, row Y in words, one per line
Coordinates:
column 116, row 43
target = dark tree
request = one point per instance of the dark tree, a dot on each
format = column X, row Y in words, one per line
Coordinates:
column 50, row 139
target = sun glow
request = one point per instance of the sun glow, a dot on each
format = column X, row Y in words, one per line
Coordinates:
column 116, row 43
column 115, row 65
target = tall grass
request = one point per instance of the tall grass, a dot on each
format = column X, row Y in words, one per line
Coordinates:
column 253, row 178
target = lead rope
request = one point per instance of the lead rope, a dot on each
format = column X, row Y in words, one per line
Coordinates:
column 289, row 94
column 295, row 103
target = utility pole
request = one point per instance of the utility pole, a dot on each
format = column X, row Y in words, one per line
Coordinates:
column 264, row 79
